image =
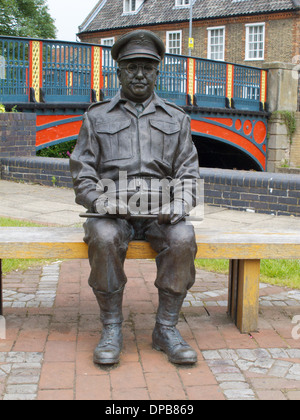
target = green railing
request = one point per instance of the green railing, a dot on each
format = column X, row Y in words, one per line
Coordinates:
column 71, row 72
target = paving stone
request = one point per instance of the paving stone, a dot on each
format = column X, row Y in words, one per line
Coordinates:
column 280, row 369
column 234, row 385
column 247, row 355
column 19, row 397
column 211, row 355
column 240, row 394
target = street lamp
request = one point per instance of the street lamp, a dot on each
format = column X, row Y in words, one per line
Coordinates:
column 191, row 39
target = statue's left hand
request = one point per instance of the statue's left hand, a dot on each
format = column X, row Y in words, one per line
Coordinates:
column 172, row 213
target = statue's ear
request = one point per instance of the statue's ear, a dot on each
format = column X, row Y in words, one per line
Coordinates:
column 119, row 73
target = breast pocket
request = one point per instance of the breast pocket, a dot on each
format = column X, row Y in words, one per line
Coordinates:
column 164, row 139
column 115, row 140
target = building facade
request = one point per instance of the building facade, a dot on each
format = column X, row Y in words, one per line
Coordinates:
column 249, row 32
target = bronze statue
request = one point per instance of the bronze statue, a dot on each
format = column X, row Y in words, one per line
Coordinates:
column 138, row 134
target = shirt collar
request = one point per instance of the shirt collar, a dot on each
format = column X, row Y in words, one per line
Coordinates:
column 150, row 104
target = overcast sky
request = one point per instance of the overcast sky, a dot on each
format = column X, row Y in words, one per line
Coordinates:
column 68, row 15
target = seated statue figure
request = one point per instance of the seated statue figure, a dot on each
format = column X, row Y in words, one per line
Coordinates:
column 149, row 139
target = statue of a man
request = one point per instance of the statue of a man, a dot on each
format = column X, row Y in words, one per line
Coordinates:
column 138, row 134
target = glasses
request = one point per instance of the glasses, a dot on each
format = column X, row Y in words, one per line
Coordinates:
column 134, row 68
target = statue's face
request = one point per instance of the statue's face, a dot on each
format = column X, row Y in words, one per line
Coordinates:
column 138, row 78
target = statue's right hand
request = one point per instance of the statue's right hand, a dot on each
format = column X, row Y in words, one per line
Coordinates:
column 105, row 206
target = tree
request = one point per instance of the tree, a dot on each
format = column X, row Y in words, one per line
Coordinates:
column 26, row 18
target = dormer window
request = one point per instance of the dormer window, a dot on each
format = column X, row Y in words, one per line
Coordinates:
column 132, row 6
column 182, row 3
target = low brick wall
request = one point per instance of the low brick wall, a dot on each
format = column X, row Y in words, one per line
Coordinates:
column 271, row 193
column 262, row 192
column 39, row 170
column 17, row 134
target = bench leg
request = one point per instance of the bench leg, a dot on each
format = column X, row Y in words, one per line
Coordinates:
column 1, row 290
column 243, row 299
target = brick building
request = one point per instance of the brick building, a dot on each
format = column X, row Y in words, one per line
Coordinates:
column 247, row 32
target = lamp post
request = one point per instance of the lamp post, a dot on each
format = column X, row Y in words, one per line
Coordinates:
column 191, row 40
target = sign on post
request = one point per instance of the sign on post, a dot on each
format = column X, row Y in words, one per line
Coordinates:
column 2, row 67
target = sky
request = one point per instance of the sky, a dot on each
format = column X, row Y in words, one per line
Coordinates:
column 68, row 15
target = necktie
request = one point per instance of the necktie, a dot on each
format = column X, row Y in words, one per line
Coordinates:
column 139, row 108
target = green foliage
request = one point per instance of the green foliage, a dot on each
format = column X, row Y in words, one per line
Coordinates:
column 2, row 109
column 289, row 120
column 62, row 150
column 26, row 18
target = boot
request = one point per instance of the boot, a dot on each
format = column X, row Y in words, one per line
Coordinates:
column 165, row 336
column 109, row 348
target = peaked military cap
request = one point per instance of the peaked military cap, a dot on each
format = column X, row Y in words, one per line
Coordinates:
column 138, row 44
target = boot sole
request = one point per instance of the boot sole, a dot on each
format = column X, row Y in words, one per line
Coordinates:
column 106, row 361
column 191, row 361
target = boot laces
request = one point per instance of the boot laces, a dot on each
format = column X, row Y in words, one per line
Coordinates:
column 175, row 336
column 109, row 334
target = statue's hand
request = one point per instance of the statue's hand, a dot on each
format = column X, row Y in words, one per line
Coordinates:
column 172, row 213
column 103, row 205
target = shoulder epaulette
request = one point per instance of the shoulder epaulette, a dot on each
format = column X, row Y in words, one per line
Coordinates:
column 174, row 106
column 98, row 104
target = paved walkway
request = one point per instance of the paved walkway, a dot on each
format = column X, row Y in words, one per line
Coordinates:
column 53, row 325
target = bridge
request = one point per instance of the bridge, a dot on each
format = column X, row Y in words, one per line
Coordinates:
column 58, row 81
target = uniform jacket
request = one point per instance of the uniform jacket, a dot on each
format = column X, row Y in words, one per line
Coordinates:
column 113, row 138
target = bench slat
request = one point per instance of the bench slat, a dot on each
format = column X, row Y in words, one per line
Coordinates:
column 244, row 249
column 67, row 243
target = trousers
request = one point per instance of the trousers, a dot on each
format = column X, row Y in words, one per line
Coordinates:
column 108, row 241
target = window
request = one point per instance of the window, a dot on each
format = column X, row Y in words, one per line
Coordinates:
column 255, row 42
column 108, row 41
column 182, row 3
column 174, row 42
column 131, row 6
column 216, row 43
column 106, row 54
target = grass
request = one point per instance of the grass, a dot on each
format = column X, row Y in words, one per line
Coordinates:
column 275, row 272
column 20, row 264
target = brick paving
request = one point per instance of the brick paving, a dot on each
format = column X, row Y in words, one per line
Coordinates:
column 53, row 325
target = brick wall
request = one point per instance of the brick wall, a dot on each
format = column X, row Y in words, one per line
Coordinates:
column 17, row 134
column 282, row 36
column 39, row 170
column 269, row 193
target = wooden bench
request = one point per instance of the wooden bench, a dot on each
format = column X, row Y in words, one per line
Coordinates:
column 243, row 249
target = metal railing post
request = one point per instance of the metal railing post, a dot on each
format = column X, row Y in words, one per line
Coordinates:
column 191, row 79
column 36, row 68
column 96, row 71
column 230, row 84
column 263, row 88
